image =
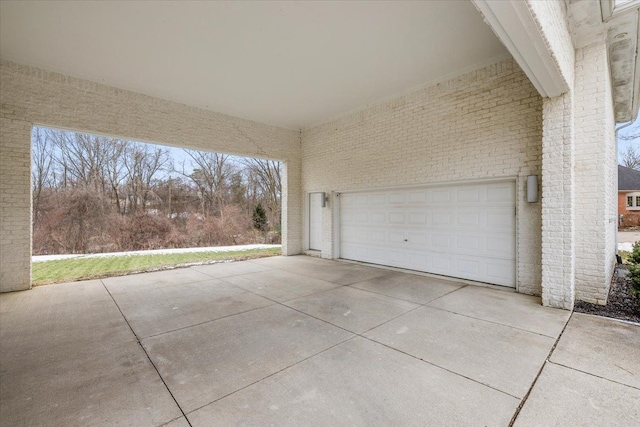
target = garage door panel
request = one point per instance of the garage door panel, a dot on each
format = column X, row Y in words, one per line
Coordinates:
column 468, row 219
column 497, row 272
column 396, row 237
column 468, row 195
column 441, row 218
column 501, row 194
column 398, row 258
column 378, row 199
column 346, row 218
column 468, row 243
column 362, row 217
column 396, row 218
column 416, row 238
column 418, row 218
column 440, row 196
column 361, row 200
column 377, row 236
column 501, row 245
column 441, row 264
column 441, row 241
column 468, row 267
column 419, row 197
column 378, row 218
column 503, row 218
column 397, row 199
column 465, row 231
column 356, row 252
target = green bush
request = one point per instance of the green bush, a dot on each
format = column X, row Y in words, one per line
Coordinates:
column 634, row 270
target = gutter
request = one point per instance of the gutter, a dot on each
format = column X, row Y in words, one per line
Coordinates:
column 609, row 9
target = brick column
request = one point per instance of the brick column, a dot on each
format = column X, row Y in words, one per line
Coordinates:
column 596, row 180
column 15, row 203
column 292, row 207
column 558, row 194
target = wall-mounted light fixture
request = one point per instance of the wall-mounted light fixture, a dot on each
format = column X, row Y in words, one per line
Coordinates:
column 532, row 188
column 323, row 199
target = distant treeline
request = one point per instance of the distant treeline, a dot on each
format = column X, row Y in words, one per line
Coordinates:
column 98, row 194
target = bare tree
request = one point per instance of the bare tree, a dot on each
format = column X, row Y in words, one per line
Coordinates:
column 265, row 175
column 41, row 168
column 211, row 173
column 142, row 163
column 631, row 135
column 115, row 173
column 631, row 158
column 81, row 157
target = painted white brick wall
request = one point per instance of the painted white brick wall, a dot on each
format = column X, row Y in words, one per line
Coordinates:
column 558, row 196
column 596, row 183
column 33, row 96
column 611, row 188
column 558, row 159
column 485, row 124
column 15, row 202
column 551, row 17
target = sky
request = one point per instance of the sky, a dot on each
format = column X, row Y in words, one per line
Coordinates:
column 178, row 156
column 633, row 129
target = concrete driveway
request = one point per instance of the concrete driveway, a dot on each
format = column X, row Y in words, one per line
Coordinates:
column 303, row 341
column 626, row 239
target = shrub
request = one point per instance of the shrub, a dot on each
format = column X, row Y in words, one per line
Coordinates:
column 143, row 231
column 70, row 224
column 634, row 270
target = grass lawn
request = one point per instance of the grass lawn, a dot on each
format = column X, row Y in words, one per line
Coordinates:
column 69, row 270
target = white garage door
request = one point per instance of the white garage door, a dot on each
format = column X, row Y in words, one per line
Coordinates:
column 465, row 231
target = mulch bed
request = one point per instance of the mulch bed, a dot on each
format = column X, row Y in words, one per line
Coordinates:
column 621, row 303
column 629, row 228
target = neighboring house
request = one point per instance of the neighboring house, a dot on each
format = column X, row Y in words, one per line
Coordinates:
column 472, row 139
column 628, row 197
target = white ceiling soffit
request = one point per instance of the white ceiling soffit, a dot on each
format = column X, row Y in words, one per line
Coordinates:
column 515, row 27
column 286, row 63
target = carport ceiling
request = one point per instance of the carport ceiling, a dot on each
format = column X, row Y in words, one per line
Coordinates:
column 290, row 64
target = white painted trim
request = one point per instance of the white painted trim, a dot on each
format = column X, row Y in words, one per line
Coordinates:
column 335, row 244
column 519, row 202
column 606, row 9
column 635, row 97
column 429, row 184
column 609, row 9
column 516, row 28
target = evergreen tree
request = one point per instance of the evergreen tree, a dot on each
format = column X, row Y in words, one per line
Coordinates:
column 259, row 217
